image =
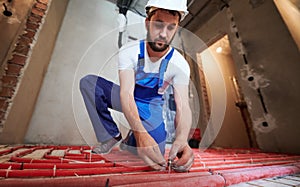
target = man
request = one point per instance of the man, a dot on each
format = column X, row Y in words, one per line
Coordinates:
column 146, row 69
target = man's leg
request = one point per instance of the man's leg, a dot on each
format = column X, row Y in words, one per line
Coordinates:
column 99, row 95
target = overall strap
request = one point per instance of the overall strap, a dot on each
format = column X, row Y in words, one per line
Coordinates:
column 163, row 67
column 141, row 61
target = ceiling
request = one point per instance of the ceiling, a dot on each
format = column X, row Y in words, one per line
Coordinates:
column 199, row 11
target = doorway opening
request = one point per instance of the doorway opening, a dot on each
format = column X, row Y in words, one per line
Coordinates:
column 236, row 128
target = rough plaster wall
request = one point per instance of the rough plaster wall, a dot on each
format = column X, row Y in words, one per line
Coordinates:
column 273, row 56
column 87, row 44
column 273, row 60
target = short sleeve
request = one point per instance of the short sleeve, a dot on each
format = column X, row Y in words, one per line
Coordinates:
column 182, row 71
column 128, row 56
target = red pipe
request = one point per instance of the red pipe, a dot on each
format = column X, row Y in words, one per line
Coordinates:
column 6, row 151
column 212, row 180
column 225, row 167
column 222, row 158
column 19, row 147
column 246, row 166
column 161, row 179
column 22, row 166
column 30, row 160
column 230, row 167
column 251, row 168
column 74, row 172
column 118, row 179
column 244, row 157
column 250, row 161
column 46, row 156
column 257, row 173
column 215, row 161
column 52, row 172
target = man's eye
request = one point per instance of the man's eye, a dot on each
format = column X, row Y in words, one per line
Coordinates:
column 159, row 25
column 171, row 27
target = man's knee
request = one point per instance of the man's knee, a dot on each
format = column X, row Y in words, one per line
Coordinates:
column 88, row 81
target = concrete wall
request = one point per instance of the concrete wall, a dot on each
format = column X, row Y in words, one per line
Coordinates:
column 87, row 44
column 272, row 58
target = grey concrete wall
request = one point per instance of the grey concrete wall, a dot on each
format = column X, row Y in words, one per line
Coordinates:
column 272, row 53
column 273, row 60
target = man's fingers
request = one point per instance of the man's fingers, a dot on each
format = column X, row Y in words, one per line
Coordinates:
column 152, row 156
column 152, row 164
column 185, row 159
column 156, row 156
column 173, row 152
column 185, row 167
column 188, row 154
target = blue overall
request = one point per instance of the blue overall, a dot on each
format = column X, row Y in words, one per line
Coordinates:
column 100, row 94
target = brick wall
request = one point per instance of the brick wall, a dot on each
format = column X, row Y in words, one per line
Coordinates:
column 20, row 57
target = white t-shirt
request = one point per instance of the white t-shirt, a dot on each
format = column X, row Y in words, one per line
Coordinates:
column 178, row 70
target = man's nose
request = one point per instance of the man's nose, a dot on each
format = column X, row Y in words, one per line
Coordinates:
column 163, row 32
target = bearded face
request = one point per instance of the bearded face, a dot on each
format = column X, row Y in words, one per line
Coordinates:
column 161, row 29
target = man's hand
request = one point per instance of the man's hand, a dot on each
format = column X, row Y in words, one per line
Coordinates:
column 185, row 156
column 149, row 151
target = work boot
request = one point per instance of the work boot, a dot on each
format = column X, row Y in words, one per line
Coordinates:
column 107, row 146
column 124, row 143
column 129, row 143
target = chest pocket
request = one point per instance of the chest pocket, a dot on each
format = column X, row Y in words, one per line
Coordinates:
column 151, row 80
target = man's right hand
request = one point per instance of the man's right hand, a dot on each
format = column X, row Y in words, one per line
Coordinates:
column 149, row 151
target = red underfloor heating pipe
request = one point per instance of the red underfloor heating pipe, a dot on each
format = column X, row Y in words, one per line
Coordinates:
column 77, row 167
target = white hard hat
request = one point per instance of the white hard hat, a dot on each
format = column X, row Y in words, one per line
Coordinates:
column 177, row 5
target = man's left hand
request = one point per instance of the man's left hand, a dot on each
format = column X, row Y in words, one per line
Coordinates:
column 185, row 156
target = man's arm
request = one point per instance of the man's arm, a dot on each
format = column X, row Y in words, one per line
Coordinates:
column 147, row 148
column 183, row 122
column 183, row 117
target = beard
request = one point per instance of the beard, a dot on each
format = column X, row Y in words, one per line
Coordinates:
column 154, row 46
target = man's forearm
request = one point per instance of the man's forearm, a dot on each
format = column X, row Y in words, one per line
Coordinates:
column 130, row 111
column 183, row 118
column 128, row 104
column 183, row 122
